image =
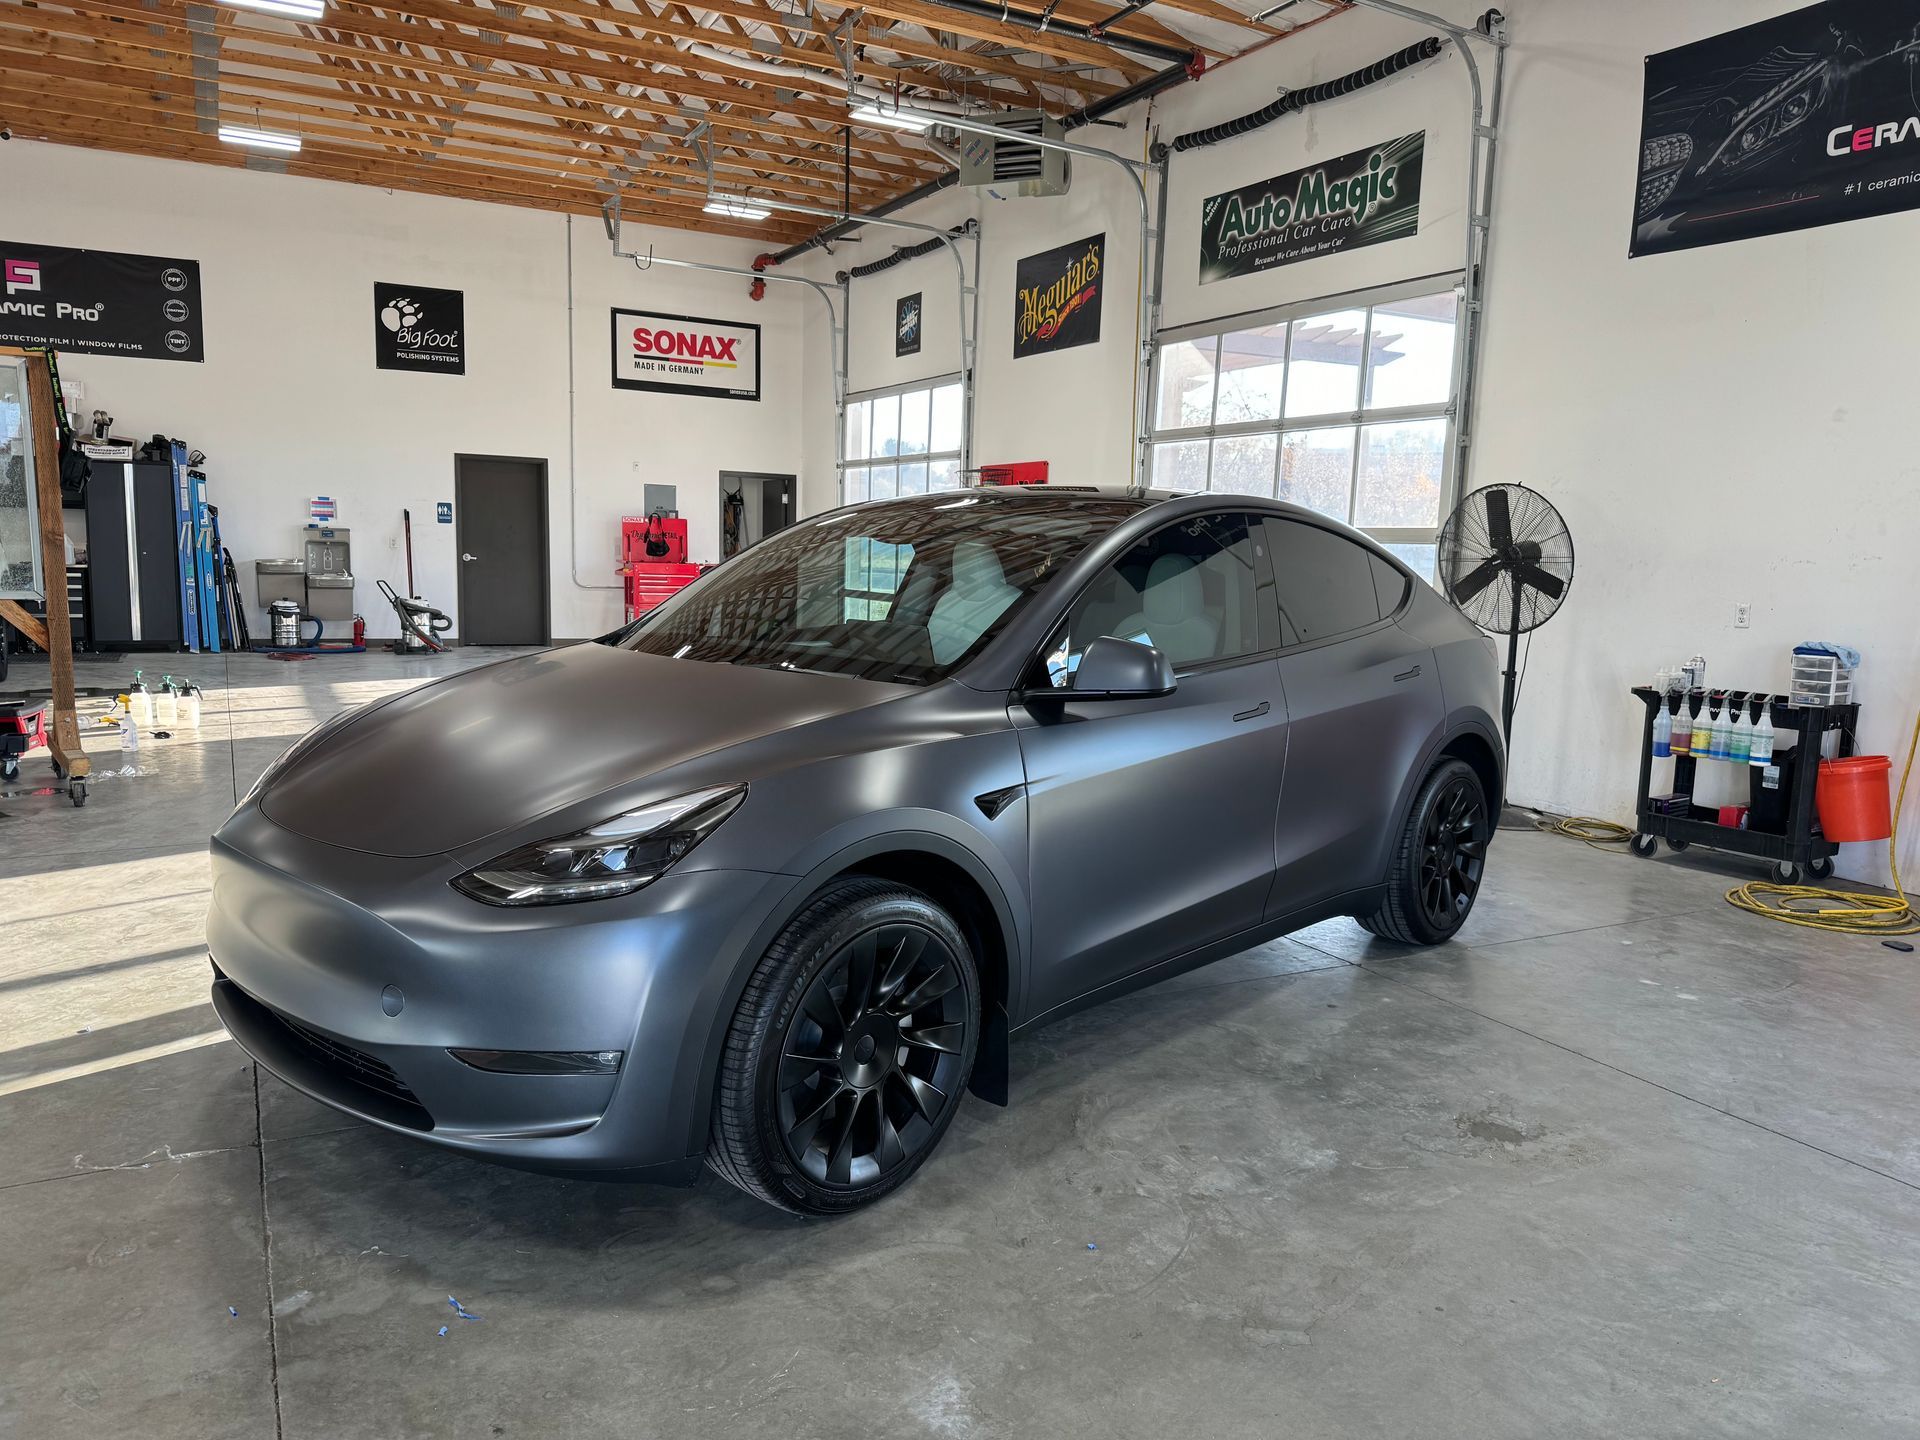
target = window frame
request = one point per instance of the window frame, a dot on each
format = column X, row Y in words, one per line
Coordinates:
column 896, row 462
column 1406, row 594
column 1357, row 419
column 1035, row 668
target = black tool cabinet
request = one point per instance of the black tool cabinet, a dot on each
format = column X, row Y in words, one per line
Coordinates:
column 1800, row 848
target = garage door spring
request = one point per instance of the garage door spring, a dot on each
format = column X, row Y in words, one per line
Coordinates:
column 1295, row 100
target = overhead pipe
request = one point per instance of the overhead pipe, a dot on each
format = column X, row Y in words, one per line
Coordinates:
column 1047, row 23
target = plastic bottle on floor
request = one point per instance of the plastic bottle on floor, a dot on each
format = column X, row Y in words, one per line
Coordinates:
column 140, row 701
column 190, row 706
column 166, row 705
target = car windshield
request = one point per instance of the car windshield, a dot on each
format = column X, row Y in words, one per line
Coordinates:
column 900, row 592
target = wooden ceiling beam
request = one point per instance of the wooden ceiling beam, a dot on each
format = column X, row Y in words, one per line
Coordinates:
column 143, row 44
column 426, row 140
column 71, row 61
column 386, row 172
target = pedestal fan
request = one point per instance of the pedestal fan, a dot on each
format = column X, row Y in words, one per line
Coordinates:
column 1506, row 560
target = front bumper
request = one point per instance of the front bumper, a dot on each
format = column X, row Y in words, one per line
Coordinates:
column 312, row 946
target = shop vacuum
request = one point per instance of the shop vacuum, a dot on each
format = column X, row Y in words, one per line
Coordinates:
column 420, row 623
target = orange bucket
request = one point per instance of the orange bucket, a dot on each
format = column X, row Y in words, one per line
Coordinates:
column 1852, row 798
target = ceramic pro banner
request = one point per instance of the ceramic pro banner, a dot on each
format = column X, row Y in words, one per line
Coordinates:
column 685, row 355
column 1056, row 304
column 1807, row 119
column 1361, row 198
column 99, row 302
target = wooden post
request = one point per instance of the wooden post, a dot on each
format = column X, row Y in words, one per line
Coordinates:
column 56, row 636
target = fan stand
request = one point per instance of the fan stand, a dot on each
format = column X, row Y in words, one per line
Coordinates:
column 1509, row 688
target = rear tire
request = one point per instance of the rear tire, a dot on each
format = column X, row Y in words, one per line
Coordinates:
column 850, row 1051
column 1439, row 861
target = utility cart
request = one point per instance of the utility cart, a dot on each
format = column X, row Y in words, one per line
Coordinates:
column 1798, row 848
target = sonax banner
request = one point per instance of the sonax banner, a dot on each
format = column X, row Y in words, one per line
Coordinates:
column 685, row 355
column 1806, row 119
column 1361, row 198
column 100, row 302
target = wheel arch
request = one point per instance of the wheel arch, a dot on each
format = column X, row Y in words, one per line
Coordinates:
column 954, row 877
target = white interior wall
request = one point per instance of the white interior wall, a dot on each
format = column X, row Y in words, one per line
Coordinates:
column 1719, row 426
column 289, row 404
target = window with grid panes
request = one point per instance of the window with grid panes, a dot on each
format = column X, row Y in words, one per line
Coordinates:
column 901, row 442
column 1344, row 407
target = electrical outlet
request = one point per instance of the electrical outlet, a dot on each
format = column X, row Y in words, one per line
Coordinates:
column 393, row 542
column 1742, row 615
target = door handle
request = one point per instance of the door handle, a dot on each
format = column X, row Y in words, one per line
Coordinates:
column 1413, row 674
column 465, row 556
column 1254, row 714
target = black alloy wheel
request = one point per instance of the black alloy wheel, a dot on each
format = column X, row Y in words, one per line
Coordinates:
column 849, row 1052
column 1439, row 862
column 1453, row 852
column 871, row 1061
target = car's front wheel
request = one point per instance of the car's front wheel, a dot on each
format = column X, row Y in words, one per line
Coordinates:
column 1439, row 860
column 849, row 1052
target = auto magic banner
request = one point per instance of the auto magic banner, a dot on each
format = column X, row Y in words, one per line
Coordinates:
column 1056, row 303
column 1361, row 198
column 99, row 302
column 1806, row 119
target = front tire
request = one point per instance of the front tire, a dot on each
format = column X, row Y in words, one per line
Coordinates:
column 1439, row 862
column 850, row 1051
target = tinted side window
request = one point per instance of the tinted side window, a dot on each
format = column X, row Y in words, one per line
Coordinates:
column 1389, row 584
column 1325, row 583
column 1193, row 590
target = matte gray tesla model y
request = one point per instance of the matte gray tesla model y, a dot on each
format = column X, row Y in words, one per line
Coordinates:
column 771, row 878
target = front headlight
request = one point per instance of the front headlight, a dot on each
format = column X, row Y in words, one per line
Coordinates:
column 615, row 857
column 294, row 751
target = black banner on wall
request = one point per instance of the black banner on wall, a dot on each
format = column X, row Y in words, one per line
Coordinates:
column 416, row 327
column 99, row 302
column 906, row 325
column 1057, row 301
column 1357, row 199
column 1803, row 120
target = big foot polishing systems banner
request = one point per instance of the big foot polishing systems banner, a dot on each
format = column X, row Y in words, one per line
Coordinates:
column 1803, row 120
column 1357, row 199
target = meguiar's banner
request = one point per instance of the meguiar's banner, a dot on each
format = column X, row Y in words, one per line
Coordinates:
column 99, row 302
column 1356, row 199
column 685, row 355
column 1057, row 301
column 1805, row 119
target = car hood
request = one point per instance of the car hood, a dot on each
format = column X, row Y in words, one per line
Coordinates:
column 448, row 764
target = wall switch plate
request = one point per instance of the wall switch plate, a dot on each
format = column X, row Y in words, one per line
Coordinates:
column 1742, row 615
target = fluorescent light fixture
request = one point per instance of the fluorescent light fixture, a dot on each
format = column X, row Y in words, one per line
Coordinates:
column 871, row 114
column 259, row 139
column 294, row 9
column 735, row 209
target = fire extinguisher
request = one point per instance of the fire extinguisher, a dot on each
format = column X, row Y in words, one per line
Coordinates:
column 360, row 631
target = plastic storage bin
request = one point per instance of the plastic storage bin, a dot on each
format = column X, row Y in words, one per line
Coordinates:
column 1821, row 680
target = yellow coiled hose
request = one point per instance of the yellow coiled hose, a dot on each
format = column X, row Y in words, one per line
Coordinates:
column 1845, row 912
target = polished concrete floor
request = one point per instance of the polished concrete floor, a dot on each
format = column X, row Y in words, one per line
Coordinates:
column 1621, row 1163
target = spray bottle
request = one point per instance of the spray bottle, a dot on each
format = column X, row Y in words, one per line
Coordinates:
column 1761, row 753
column 140, row 702
column 1701, row 741
column 1683, row 726
column 189, row 706
column 1662, row 731
column 1740, row 746
column 166, row 705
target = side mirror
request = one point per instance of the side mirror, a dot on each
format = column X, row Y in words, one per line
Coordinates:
column 1115, row 669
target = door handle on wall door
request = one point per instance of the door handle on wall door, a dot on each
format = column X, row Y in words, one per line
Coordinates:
column 465, row 556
